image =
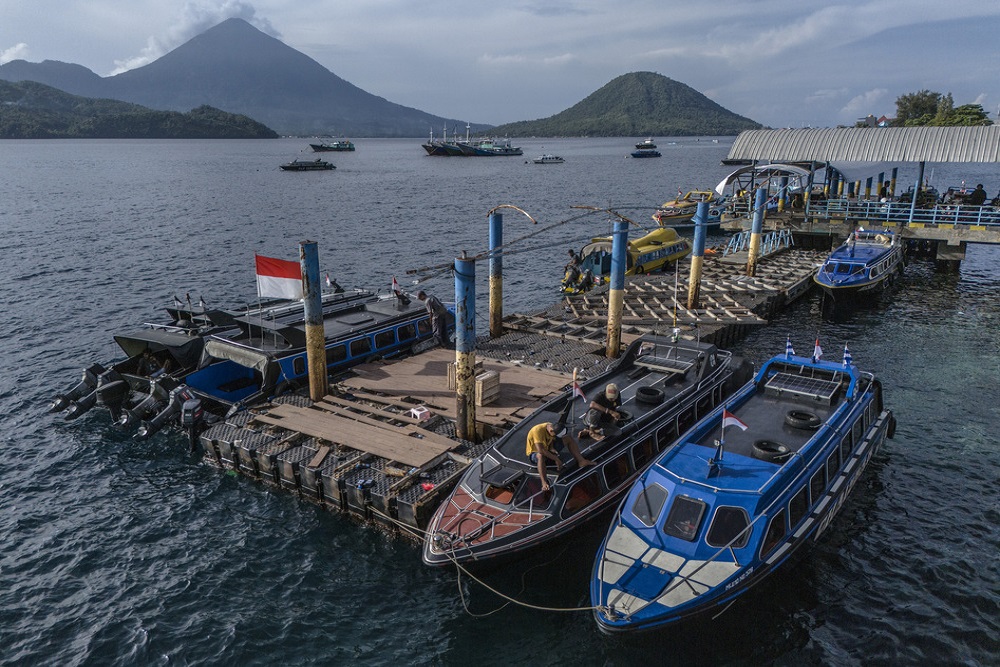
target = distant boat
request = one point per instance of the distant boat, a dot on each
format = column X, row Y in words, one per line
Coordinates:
column 863, row 267
column 648, row 143
column 340, row 145
column 307, row 165
column 548, row 159
column 646, row 254
column 489, row 148
column 646, row 152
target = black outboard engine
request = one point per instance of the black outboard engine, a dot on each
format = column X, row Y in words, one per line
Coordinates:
column 191, row 414
column 174, row 405
column 149, row 405
column 87, row 384
column 112, row 393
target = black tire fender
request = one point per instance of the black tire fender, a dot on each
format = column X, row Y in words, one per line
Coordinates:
column 891, row 429
column 639, row 270
column 802, row 419
column 650, row 395
column 769, row 450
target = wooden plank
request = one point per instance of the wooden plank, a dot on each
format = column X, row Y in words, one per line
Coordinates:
column 370, row 409
column 428, row 435
column 317, row 460
column 410, row 451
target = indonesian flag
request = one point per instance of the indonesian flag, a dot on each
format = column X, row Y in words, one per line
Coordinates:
column 395, row 286
column 576, row 388
column 729, row 419
column 278, row 278
column 817, row 352
column 329, row 283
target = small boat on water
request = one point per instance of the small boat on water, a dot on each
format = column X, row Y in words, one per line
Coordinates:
column 646, row 152
column 648, row 143
column 340, row 145
column 548, row 159
column 682, row 209
column 307, row 165
column 862, row 268
column 652, row 252
column 499, row 509
column 732, row 501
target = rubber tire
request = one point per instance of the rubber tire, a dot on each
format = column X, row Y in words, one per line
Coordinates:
column 769, row 450
column 803, row 419
column 891, row 430
column 639, row 270
column 649, row 395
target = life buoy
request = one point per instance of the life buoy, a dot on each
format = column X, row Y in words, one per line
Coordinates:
column 769, row 450
column 650, row 395
column 802, row 419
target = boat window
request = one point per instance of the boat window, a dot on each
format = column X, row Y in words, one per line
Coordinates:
column 528, row 495
column 666, row 436
column 728, row 523
column 498, row 493
column 833, row 465
column 649, row 503
column 859, row 429
column 684, row 518
column 335, row 354
column 424, row 326
column 845, row 448
column 299, row 365
column 584, row 492
column 361, row 347
column 798, row 506
column 407, row 332
column 616, row 471
column 775, row 532
column 817, row 484
column 385, row 339
column 843, row 268
column 643, row 453
column 685, row 420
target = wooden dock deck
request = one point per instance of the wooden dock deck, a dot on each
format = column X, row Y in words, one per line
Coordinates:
column 382, row 445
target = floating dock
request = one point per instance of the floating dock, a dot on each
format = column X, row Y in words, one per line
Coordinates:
column 382, row 445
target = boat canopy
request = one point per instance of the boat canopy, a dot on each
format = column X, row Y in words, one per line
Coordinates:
column 750, row 174
column 182, row 347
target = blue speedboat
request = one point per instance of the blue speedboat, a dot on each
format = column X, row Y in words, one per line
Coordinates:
column 740, row 493
column 646, row 152
column 862, row 267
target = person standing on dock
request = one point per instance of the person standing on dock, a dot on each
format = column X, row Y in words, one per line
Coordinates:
column 543, row 443
column 438, row 314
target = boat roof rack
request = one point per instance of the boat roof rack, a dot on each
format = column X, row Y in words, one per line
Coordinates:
column 819, row 389
column 664, row 364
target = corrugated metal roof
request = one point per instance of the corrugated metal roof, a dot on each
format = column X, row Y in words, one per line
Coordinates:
column 871, row 144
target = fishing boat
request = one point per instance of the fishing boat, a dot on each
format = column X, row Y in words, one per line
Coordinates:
column 548, row 159
column 652, row 252
column 307, row 165
column 648, row 143
column 730, row 503
column 682, row 209
column 645, row 152
column 340, row 145
column 861, row 268
column 489, row 148
column 499, row 509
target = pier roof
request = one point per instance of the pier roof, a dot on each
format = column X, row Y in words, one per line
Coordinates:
column 870, row 144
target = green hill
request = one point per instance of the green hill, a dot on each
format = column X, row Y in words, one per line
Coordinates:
column 30, row 110
column 633, row 105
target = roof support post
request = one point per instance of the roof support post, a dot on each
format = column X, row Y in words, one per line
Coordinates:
column 616, row 293
column 496, row 274
column 312, row 302
column 697, row 255
column 755, row 230
column 465, row 348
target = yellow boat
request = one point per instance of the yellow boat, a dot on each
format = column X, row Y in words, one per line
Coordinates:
column 646, row 254
column 683, row 208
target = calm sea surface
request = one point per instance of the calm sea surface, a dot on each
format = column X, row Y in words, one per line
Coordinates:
column 122, row 553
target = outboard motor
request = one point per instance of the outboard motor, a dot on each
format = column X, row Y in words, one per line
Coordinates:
column 191, row 414
column 81, row 405
column 112, row 395
column 86, row 384
column 176, row 401
column 149, row 405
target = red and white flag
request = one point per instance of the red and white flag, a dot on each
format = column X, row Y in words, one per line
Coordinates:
column 329, row 283
column 395, row 286
column 279, row 278
column 817, row 352
column 729, row 419
column 577, row 391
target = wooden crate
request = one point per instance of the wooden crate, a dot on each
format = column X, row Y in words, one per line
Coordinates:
column 487, row 387
column 453, row 373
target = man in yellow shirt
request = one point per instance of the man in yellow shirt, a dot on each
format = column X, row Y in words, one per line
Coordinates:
column 543, row 443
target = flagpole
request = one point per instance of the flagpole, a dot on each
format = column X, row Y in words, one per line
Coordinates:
column 572, row 412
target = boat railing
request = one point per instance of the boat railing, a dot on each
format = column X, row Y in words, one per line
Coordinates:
column 769, row 243
column 900, row 212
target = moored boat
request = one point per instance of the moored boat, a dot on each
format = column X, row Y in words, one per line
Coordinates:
column 341, row 145
column 738, row 495
column 861, row 268
column 548, row 159
column 652, row 252
column 682, row 209
column 645, row 152
column 307, row 165
column 489, row 148
column 648, row 143
column 499, row 508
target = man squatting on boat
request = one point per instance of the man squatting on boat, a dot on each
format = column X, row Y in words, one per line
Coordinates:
column 603, row 410
column 543, row 443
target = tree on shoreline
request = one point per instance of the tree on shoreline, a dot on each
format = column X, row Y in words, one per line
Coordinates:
column 926, row 108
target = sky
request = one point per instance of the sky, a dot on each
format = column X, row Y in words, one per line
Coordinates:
column 782, row 63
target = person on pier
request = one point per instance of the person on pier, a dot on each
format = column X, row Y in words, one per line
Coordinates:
column 439, row 317
column 543, row 444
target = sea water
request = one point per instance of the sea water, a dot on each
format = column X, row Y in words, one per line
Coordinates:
column 117, row 552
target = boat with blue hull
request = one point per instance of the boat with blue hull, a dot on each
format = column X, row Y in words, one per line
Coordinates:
column 645, row 152
column 862, row 268
column 499, row 510
column 734, row 499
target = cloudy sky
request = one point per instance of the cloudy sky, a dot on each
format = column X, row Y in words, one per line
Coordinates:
column 783, row 63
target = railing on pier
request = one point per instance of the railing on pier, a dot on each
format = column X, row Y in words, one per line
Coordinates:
column 895, row 213
column 770, row 242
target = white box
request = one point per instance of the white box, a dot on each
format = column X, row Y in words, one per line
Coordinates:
column 420, row 413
